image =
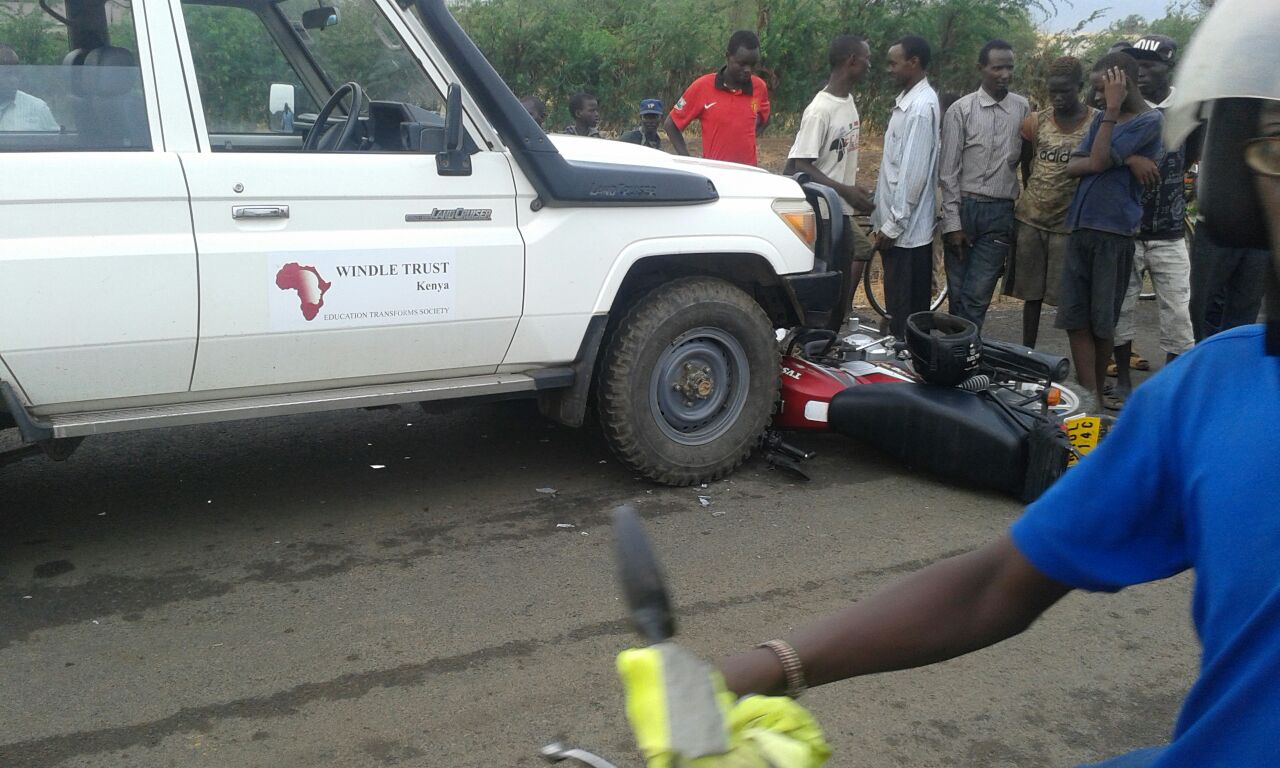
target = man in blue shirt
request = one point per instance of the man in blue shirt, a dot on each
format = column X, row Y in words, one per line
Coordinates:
column 1189, row 478
column 1118, row 155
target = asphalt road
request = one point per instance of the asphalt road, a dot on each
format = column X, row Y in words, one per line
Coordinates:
column 262, row 595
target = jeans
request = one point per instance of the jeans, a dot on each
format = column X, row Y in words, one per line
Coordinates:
column 1227, row 285
column 908, row 278
column 973, row 272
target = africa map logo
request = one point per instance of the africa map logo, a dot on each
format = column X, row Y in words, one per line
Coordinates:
column 309, row 285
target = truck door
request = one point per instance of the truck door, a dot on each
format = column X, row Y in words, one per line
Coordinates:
column 352, row 260
column 97, row 264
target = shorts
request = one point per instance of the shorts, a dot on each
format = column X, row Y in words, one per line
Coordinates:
column 1037, row 263
column 1169, row 265
column 860, row 248
column 1095, row 276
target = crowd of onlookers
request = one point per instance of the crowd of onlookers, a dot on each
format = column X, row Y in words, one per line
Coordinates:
column 584, row 109
column 1072, row 203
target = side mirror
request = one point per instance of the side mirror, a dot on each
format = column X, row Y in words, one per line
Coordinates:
column 320, row 18
column 453, row 119
column 454, row 160
column 280, row 107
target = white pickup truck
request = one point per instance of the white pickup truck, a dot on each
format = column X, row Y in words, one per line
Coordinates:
column 225, row 209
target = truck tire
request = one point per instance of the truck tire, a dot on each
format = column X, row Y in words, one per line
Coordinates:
column 688, row 381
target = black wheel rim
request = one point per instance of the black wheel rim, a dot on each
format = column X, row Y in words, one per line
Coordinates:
column 699, row 386
column 938, row 287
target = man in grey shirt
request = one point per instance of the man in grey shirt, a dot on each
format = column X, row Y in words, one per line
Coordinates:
column 906, row 203
column 981, row 144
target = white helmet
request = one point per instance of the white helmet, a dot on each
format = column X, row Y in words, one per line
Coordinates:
column 1235, row 53
column 1231, row 68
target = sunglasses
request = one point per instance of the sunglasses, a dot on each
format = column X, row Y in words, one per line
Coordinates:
column 1263, row 155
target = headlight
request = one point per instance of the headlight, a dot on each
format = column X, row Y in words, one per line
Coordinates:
column 799, row 216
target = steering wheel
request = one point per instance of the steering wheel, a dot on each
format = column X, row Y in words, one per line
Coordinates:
column 346, row 132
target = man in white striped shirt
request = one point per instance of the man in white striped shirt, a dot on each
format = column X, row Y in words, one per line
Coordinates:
column 981, row 145
column 906, row 192
column 20, row 111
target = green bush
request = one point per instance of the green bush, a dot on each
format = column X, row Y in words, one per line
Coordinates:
column 626, row 51
column 38, row 39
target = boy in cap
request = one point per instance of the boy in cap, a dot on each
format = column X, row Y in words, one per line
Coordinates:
column 1161, row 246
column 647, row 133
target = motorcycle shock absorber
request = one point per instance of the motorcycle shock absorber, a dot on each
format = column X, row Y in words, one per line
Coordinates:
column 977, row 383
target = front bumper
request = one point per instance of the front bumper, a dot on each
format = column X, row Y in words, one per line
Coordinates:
column 823, row 296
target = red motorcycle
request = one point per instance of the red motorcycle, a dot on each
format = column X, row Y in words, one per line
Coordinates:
column 1000, row 428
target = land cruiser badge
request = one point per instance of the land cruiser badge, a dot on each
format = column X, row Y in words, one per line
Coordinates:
column 452, row 214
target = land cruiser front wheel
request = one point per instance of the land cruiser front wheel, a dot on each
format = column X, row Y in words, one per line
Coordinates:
column 688, row 381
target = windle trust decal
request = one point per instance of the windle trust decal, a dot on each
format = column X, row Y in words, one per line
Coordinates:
column 335, row 290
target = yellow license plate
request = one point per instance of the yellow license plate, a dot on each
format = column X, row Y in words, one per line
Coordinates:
column 1084, row 432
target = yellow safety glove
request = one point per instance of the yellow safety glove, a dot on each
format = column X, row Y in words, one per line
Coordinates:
column 684, row 717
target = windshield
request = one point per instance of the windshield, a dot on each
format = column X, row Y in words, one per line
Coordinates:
column 362, row 47
column 242, row 49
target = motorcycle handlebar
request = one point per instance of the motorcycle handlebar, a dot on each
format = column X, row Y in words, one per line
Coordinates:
column 1025, row 362
column 641, row 578
column 645, row 589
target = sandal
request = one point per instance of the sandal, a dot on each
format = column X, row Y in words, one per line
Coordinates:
column 1136, row 363
column 1112, row 403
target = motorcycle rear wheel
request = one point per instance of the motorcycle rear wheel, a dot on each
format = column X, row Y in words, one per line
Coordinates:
column 873, row 283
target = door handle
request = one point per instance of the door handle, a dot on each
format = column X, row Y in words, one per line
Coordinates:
column 259, row 211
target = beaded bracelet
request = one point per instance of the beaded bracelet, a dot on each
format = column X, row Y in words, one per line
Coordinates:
column 791, row 666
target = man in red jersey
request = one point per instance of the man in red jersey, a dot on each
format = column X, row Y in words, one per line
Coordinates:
column 732, row 105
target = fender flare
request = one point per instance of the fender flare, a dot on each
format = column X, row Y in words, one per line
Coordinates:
column 675, row 246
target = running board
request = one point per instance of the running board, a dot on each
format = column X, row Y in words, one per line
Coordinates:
column 205, row 412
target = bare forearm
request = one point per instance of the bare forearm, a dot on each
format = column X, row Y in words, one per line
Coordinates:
column 806, row 166
column 1099, row 158
column 946, row 610
column 949, row 609
column 852, row 194
column 676, row 136
column 1100, row 154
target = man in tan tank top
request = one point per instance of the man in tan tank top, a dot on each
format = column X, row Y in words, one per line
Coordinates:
column 1041, row 231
